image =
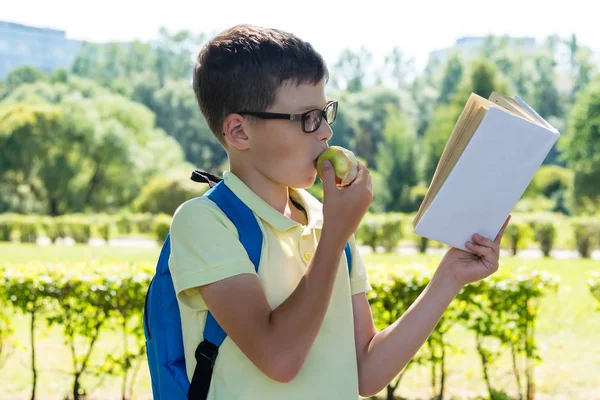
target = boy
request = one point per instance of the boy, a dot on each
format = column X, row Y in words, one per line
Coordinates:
column 299, row 328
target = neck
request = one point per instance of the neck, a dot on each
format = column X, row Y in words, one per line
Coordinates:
column 275, row 194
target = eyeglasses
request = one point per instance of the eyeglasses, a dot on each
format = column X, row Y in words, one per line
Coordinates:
column 311, row 120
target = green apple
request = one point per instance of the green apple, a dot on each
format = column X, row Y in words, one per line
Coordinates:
column 345, row 164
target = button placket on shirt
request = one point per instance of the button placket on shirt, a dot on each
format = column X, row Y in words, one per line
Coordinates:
column 307, row 245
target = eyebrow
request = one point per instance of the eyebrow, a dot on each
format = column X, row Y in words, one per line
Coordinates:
column 304, row 109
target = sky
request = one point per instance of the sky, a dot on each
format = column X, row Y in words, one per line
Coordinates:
column 417, row 27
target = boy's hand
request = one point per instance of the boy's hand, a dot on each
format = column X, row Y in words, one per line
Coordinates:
column 344, row 208
column 464, row 267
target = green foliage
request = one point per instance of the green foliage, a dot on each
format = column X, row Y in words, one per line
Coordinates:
column 436, row 136
column 482, row 78
column 80, row 227
column 165, row 192
column 545, row 235
column 64, row 152
column 594, row 284
column 84, row 300
column 380, row 230
column 505, row 309
column 517, row 235
column 397, row 162
column 582, row 147
column 161, row 227
column 453, row 74
column 549, row 180
column 587, row 235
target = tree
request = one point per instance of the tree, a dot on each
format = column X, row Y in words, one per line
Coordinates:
column 397, row 161
column 453, row 74
column 582, row 147
column 371, row 108
column 21, row 75
column 546, row 100
column 68, row 153
column 351, row 68
column 178, row 114
column 400, row 68
column 482, row 79
column 436, row 137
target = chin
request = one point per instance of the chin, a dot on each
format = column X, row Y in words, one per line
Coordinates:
column 305, row 183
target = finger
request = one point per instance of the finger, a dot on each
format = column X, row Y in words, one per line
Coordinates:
column 498, row 238
column 482, row 251
column 362, row 172
column 328, row 178
column 485, row 242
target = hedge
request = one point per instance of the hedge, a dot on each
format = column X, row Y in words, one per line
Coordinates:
column 80, row 227
column 386, row 231
column 87, row 300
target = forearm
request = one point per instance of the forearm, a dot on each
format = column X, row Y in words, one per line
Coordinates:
column 391, row 349
column 295, row 323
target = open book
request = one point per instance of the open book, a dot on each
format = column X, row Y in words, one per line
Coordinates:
column 491, row 156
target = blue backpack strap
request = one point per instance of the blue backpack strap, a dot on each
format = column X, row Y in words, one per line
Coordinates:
column 251, row 238
column 348, row 257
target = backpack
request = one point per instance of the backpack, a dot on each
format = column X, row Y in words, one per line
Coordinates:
column 162, row 321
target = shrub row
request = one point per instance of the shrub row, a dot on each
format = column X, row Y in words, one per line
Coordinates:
column 88, row 300
column 386, row 231
column 547, row 230
column 27, row 228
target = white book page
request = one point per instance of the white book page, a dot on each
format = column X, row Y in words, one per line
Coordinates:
column 488, row 180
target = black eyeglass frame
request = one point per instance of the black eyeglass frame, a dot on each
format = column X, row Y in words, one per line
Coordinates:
column 298, row 117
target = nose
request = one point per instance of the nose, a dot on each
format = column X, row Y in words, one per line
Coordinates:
column 324, row 133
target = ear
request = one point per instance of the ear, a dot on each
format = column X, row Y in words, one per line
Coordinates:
column 234, row 131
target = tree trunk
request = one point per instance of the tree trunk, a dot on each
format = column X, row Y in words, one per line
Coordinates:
column 443, row 369
column 33, row 366
column 96, row 178
column 516, row 371
column 76, row 386
column 126, row 363
column 484, row 364
column 53, row 207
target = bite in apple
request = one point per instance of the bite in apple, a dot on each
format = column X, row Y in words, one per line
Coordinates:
column 344, row 162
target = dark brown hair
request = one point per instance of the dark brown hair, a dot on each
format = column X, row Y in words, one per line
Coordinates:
column 242, row 69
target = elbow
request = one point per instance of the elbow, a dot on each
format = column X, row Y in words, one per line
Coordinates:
column 283, row 368
column 367, row 387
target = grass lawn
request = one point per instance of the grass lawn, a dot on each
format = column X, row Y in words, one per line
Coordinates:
column 567, row 333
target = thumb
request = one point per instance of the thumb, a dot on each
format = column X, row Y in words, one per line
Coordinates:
column 328, row 177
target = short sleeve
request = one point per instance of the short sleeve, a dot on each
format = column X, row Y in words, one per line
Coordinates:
column 359, row 280
column 204, row 249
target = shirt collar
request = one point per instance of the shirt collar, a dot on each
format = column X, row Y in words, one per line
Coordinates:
column 312, row 206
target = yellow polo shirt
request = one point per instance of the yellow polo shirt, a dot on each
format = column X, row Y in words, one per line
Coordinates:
column 205, row 248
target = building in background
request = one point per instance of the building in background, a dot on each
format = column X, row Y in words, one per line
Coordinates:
column 47, row 49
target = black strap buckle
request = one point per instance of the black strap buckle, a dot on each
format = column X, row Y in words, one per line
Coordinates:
column 206, row 351
column 205, row 177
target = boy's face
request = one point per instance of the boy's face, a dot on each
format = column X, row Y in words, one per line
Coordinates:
column 280, row 149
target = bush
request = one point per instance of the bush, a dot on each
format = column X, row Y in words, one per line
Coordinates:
column 586, row 232
column 161, row 227
column 368, row 231
column 106, row 229
column 517, row 235
column 79, row 227
column 545, row 235
column 390, row 231
column 549, row 180
column 380, row 230
column 84, row 300
column 164, row 193
column 50, row 228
